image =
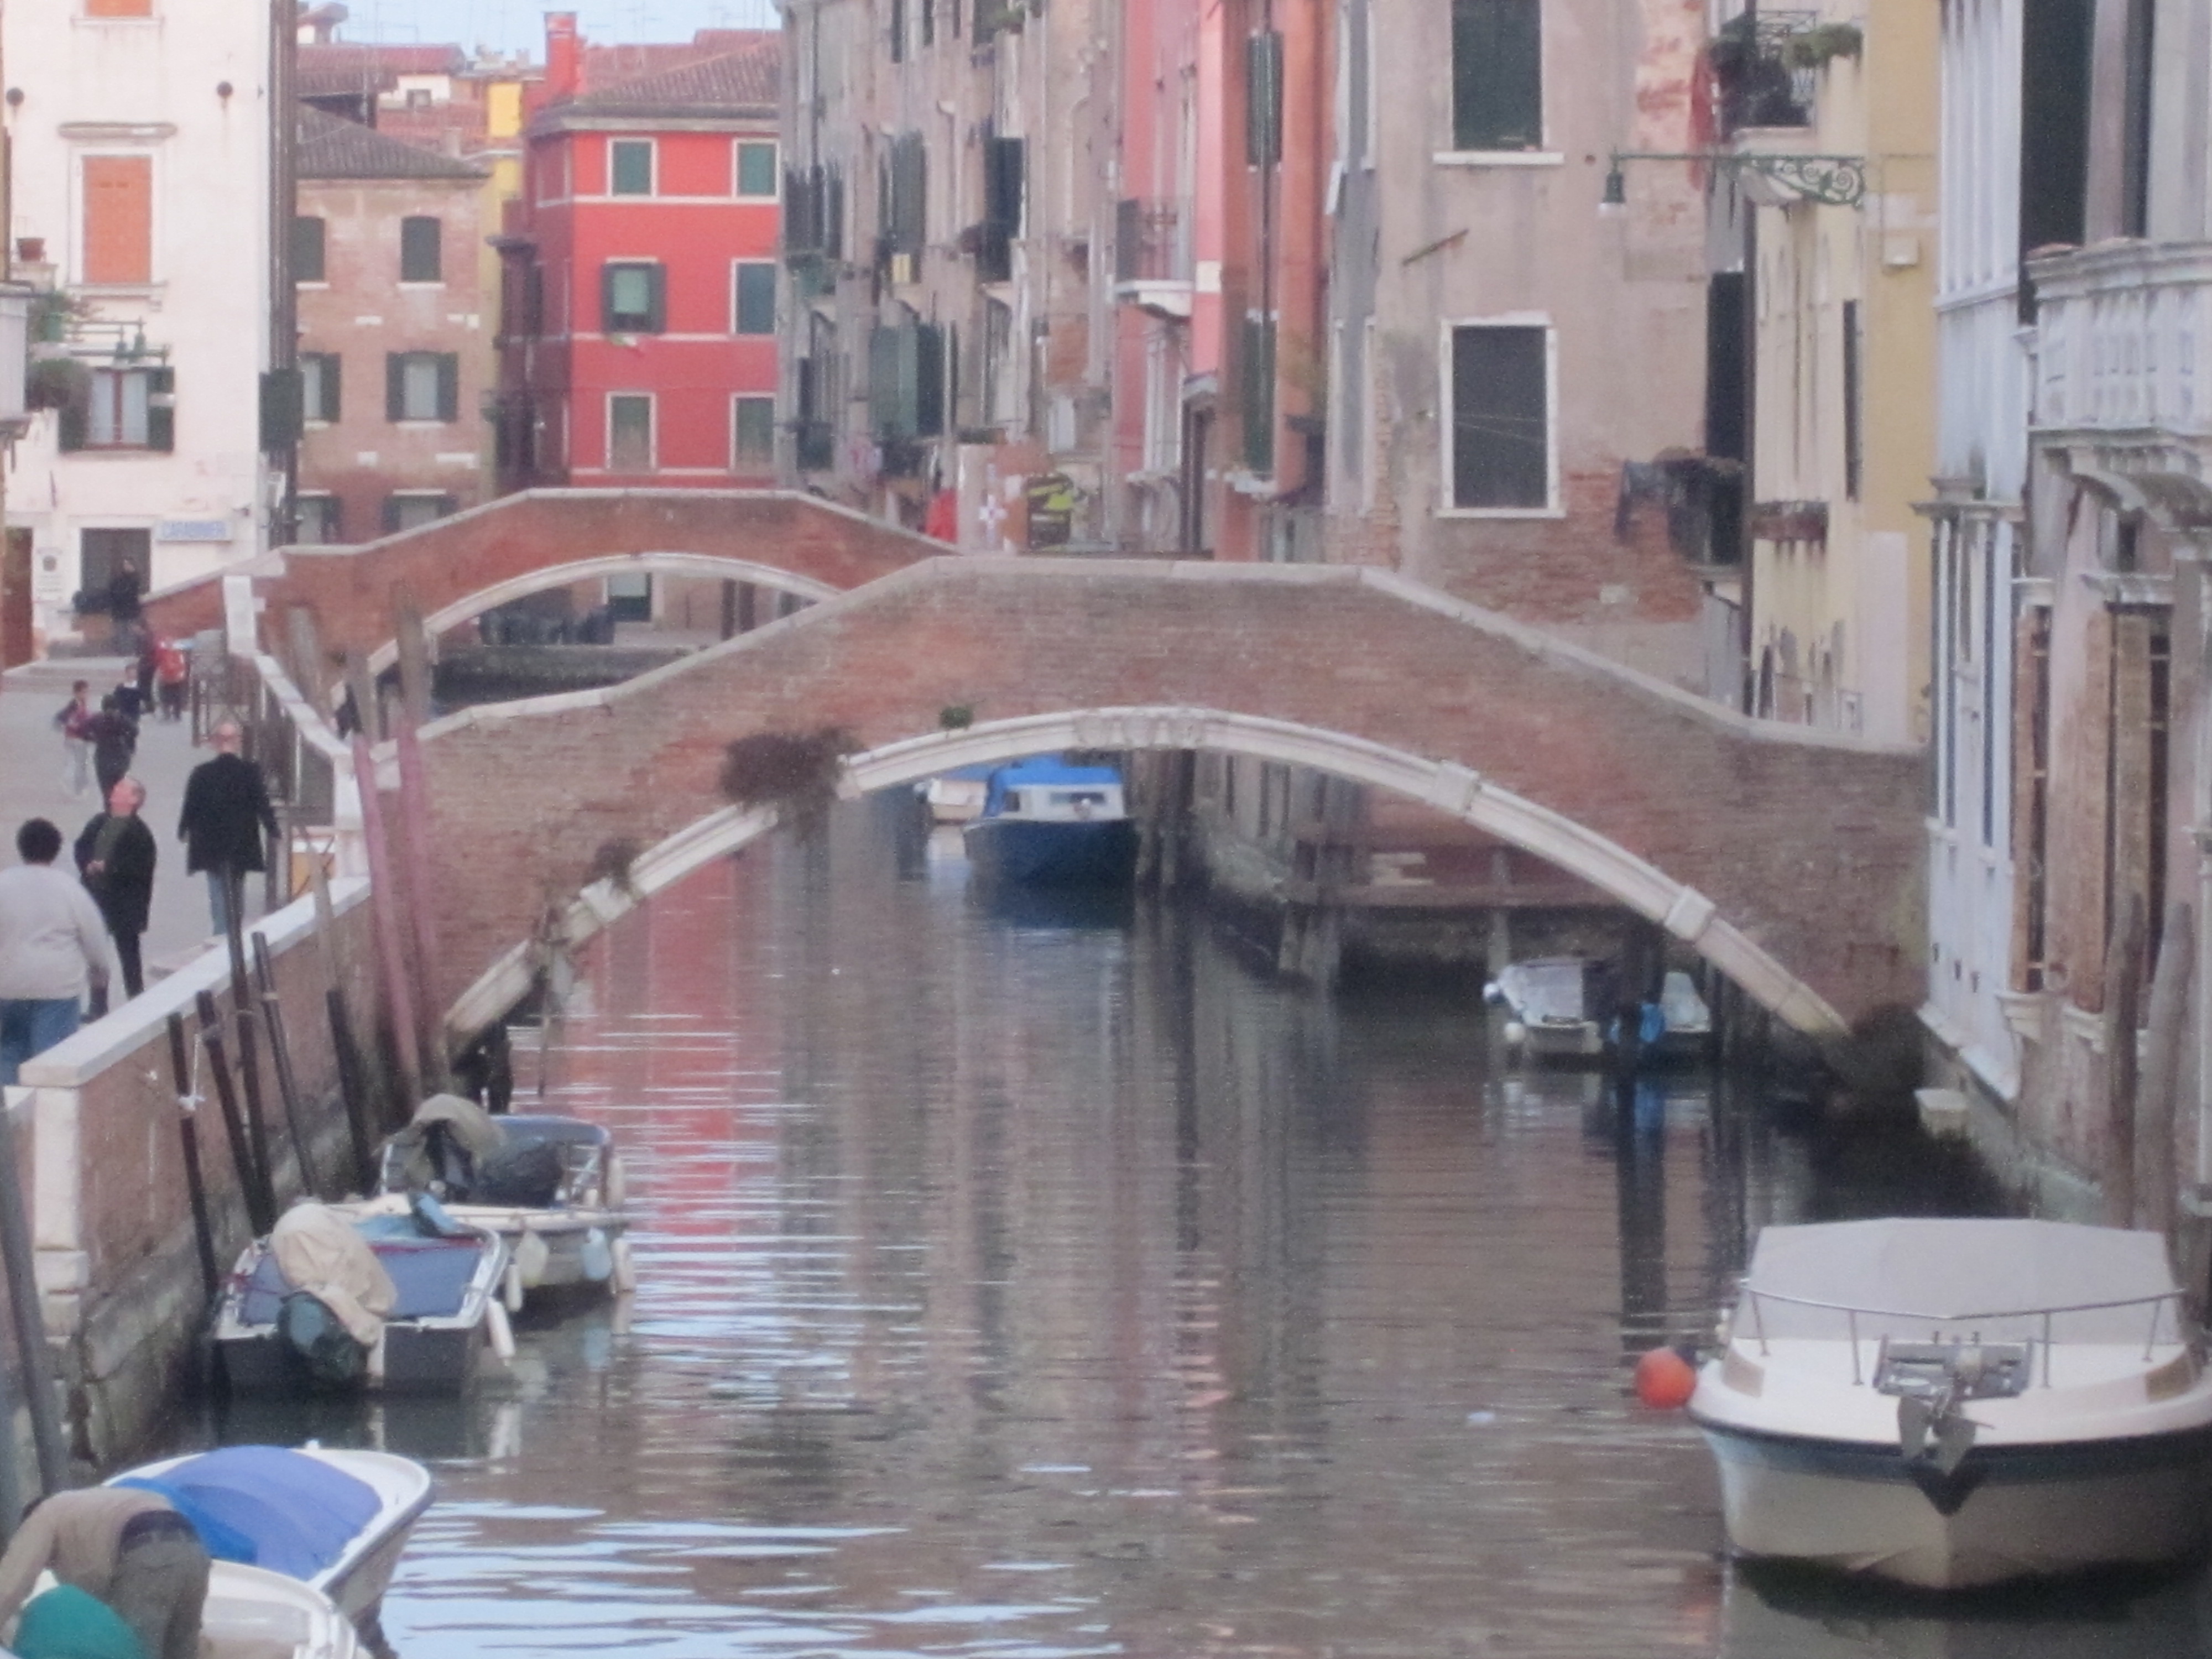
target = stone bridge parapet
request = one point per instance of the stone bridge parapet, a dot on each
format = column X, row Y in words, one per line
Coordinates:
column 1792, row 859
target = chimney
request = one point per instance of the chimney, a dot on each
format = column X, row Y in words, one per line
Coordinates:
column 564, row 57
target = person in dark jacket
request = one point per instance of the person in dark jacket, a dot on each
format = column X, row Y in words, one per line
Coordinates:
column 115, row 738
column 123, row 609
column 116, row 855
column 225, row 814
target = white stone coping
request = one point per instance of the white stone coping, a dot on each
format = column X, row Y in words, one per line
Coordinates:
column 106, row 1043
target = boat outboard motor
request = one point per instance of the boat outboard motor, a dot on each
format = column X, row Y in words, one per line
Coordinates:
column 318, row 1343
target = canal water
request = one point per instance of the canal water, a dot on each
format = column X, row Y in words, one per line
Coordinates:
column 1028, row 1283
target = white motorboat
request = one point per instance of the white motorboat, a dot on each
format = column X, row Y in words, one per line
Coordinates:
column 1568, row 1010
column 330, row 1519
column 253, row 1614
column 551, row 1186
column 1952, row 1403
column 388, row 1293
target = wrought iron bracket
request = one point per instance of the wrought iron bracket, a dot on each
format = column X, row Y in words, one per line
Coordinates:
column 1833, row 180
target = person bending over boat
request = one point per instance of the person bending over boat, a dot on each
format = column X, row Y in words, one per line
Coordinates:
column 129, row 1548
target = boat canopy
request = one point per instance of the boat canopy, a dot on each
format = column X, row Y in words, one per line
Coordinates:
column 1912, row 1277
column 1547, row 989
column 1045, row 771
column 268, row 1506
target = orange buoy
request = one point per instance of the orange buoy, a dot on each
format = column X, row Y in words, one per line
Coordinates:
column 1664, row 1380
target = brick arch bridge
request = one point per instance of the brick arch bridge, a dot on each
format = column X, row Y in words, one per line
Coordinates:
column 1790, row 858
column 461, row 567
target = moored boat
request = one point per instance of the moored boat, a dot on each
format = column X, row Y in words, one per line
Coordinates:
column 388, row 1293
column 1048, row 823
column 1569, row 1011
column 252, row 1613
column 332, row 1519
column 551, row 1186
column 1955, row 1403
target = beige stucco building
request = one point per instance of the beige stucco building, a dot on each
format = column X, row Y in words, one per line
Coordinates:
column 1843, row 331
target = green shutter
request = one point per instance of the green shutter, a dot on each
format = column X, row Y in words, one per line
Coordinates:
column 928, row 380
column 395, row 385
column 333, row 387
column 1497, row 74
column 607, row 299
column 1263, row 99
column 449, row 386
column 1257, row 383
column 757, row 169
column 282, row 411
column 630, row 163
column 656, row 299
column 307, row 250
column 420, row 256
column 162, row 409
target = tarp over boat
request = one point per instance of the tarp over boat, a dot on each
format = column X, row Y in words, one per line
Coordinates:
column 296, row 1514
column 1047, row 771
column 1906, row 1274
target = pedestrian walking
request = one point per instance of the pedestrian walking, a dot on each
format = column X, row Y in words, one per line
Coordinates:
column 148, row 666
column 76, row 748
column 225, row 814
column 114, row 737
column 173, row 673
column 126, row 1546
column 53, row 949
column 123, row 609
column 116, row 855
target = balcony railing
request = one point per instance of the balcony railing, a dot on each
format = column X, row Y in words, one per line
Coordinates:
column 2124, row 341
column 1149, row 245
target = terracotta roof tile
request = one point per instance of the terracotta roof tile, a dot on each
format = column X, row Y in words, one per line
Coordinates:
column 743, row 82
column 331, row 148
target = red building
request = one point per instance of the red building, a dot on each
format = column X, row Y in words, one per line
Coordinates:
column 639, row 336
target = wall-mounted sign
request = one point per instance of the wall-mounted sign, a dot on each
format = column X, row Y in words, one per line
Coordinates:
column 192, row 530
column 1053, row 498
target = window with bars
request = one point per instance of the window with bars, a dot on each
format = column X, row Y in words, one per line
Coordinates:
column 633, row 298
column 1501, row 436
column 1497, row 74
column 422, row 250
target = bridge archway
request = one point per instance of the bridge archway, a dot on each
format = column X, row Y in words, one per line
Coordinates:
column 704, row 567
column 1456, row 790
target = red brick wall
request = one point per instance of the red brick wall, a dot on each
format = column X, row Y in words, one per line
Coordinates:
column 1814, row 850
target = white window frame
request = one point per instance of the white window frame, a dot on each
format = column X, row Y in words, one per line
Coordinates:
column 1447, row 413
column 651, row 168
column 739, row 464
column 1544, row 157
column 155, row 265
column 775, row 168
column 651, row 433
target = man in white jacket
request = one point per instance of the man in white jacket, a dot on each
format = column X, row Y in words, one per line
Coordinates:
column 53, row 948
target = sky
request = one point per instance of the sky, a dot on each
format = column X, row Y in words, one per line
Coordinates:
column 513, row 25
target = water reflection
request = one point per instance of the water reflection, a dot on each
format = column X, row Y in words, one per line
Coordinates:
column 1017, row 1288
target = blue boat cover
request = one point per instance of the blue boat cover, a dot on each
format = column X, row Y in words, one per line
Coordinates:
column 1046, row 769
column 290, row 1513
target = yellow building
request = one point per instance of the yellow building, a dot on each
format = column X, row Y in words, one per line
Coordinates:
column 1841, row 167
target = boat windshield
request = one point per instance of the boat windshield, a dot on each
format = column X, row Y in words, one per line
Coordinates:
column 1913, row 1278
column 1551, row 989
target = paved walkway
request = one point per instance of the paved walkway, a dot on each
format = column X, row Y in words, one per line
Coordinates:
column 33, row 784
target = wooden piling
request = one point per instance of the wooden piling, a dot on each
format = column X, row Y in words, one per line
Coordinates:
column 246, row 1017
column 384, row 902
column 2157, row 1183
column 188, row 1138
column 260, row 1202
column 2124, row 970
column 33, row 1355
column 345, row 1052
column 422, row 896
column 280, row 1057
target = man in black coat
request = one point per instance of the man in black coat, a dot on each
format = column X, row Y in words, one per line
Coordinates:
column 227, row 812
column 113, row 735
column 115, row 855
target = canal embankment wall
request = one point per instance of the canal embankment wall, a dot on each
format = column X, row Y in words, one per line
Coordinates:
column 102, row 1156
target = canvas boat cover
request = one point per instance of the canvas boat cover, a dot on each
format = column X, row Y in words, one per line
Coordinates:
column 1547, row 989
column 319, row 1251
column 1907, row 1274
column 1049, row 771
column 268, row 1506
column 474, row 1131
